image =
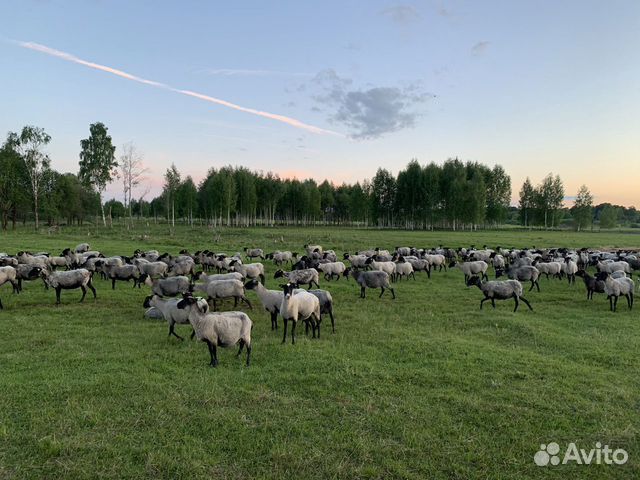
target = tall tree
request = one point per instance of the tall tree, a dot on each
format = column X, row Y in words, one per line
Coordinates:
column 29, row 145
column 171, row 184
column 527, row 201
column 97, row 161
column 609, row 217
column 14, row 184
column 582, row 210
column 131, row 172
column 498, row 188
column 383, row 196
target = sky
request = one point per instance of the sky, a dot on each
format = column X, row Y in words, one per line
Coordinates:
column 334, row 89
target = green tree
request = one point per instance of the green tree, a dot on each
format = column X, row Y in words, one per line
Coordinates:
column 187, row 198
column 609, row 217
column 498, row 193
column 97, row 161
column 14, row 183
column 582, row 210
column 383, row 196
column 527, row 202
column 171, row 184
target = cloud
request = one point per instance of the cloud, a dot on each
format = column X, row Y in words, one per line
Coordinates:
column 401, row 14
column 480, row 48
column 372, row 112
column 120, row 73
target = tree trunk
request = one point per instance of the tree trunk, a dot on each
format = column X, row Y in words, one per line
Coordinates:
column 104, row 219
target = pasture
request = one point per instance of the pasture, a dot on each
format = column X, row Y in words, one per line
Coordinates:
column 424, row 386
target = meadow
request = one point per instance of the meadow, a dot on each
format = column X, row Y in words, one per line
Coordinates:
column 424, row 386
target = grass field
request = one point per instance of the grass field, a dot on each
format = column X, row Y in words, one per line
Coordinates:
column 426, row 386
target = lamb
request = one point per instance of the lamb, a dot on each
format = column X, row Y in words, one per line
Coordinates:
column 70, row 280
column 522, row 273
column 403, row 269
column 83, row 247
column 331, row 269
column 388, row 267
column 549, row 268
column 219, row 290
column 170, row 312
column 301, row 277
column 167, row 287
column 299, row 306
column 472, row 268
column 271, row 300
column 326, row 305
column 357, row 261
column 569, row 269
column 252, row 270
column 499, row 290
column 616, row 287
column 593, row 285
column 254, row 253
column 218, row 329
column 8, row 274
column 371, row 279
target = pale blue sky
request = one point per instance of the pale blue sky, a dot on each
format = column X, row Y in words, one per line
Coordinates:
column 535, row 86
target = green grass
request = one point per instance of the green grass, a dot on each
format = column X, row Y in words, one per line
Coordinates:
column 426, row 386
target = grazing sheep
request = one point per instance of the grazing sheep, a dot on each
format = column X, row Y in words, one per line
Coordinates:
column 152, row 269
column 8, row 274
column 570, row 268
column 403, row 269
column 371, row 279
column 404, row 251
column 357, row 261
column 182, row 266
column 224, row 329
column 82, row 248
column 549, row 268
column 616, row 287
column 436, row 261
column 611, row 267
column 388, row 267
column 497, row 261
column 471, row 268
column 221, row 289
column 279, row 258
column 70, row 280
column 252, row 253
column 167, row 287
column 170, row 312
column 299, row 306
column 203, row 277
column 55, row 262
column 499, row 290
column 123, row 273
column 270, row 299
column 251, row 270
column 308, row 276
column 326, row 305
column 27, row 273
column 523, row 273
column 332, row 268
column 593, row 285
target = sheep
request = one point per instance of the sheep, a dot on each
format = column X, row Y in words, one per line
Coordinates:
column 27, row 273
column 404, row 251
column 124, row 273
column 219, row 290
column 182, row 266
column 203, row 277
column 270, row 299
column 357, row 261
column 170, row 312
column 471, row 268
column 615, row 287
column 326, row 305
column 167, row 287
column 218, row 329
column 388, row 267
column 55, row 262
column 522, row 273
column 331, row 269
column 549, row 268
column 299, row 306
column 312, row 248
column 569, row 268
column 593, row 285
column 83, row 247
column 330, row 256
column 370, row 279
column 8, row 274
column 7, row 261
column 281, row 257
column 252, row 270
column 301, row 277
column 611, row 267
column 403, row 269
column 497, row 261
column 70, row 280
column 499, row 290
column 252, row 253
column 152, row 269
column 418, row 264
column 28, row 259
column 437, row 260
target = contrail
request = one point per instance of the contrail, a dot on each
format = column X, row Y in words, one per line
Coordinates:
column 273, row 116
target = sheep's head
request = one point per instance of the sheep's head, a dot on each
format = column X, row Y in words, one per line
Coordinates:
column 602, row 276
column 452, row 264
column 499, row 272
column 251, row 284
column 287, row 289
column 474, row 280
column 279, row 274
column 147, row 301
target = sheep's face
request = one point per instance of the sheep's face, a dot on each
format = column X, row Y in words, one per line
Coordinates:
column 602, row 276
column 147, row 302
column 287, row 289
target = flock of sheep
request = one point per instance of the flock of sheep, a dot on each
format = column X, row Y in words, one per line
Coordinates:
column 186, row 289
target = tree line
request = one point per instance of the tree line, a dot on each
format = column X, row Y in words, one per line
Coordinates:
column 454, row 195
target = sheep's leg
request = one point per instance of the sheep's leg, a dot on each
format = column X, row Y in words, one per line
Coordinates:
column 362, row 292
column 1, row 306
column 629, row 301
column 319, row 321
column 306, row 328
column 193, row 334
column 248, row 354
column 483, row 300
column 333, row 322
column 235, row 302
column 428, row 270
column 381, row 292
column 113, row 283
column 14, row 286
column 241, row 347
column 93, row 290
column 19, row 285
column 615, row 303
column 173, row 332
column 515, row 298
column 274, row 320
column 293, row 332
column 212, row 352
column 58, row 290
column 84, row 293
column 527, row 303
column 246, row 300
column 393, row 293
column 284, row 336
